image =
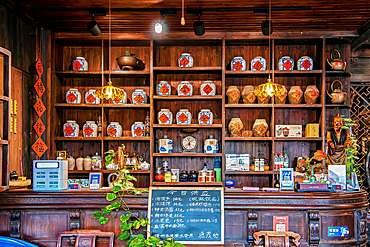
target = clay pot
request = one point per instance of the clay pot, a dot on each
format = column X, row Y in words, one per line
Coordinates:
column 281, row 99
column 87, row 163
column 79, row 163
column 311, row 94
column 295, row 95
column 236, row 127
column 248, row 95
column 260, row 128
column 264, row 100
column 127, row 61
column 71, row 163
column 233, row 95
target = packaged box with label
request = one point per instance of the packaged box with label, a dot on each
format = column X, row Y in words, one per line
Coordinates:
column 243, row 161
column 288, row 130
column 237, row 162
column 312, row 130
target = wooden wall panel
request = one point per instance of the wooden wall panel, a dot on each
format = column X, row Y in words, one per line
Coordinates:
column 4, row 223
column 235, row 225
column 92, row 54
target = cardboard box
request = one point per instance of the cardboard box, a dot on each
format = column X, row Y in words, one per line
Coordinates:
column 312, row 130
column 237, row 162
column 288, row 130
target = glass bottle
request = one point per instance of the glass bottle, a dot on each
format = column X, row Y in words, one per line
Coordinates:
column 147, row 125
column 99, row 126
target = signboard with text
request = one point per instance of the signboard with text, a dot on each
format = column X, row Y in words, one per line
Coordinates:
column 189, row 215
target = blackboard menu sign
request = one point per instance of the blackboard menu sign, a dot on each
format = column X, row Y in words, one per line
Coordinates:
column 189, row 215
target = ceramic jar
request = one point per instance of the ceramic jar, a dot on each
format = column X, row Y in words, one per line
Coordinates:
column 87, row 163
column 233, row 95
column 79, row 163
column 185, row 88
column 90, row 129
column 295, row 95
column 185, row 60
column 163, row 88
column 305, row 63
column 258, row 64
column 121, row 101
column 248, row 94
column 71, row 129
column 144, row 166
column 205, row 116
column 208, row 88
column 80, row 64
column 235, row 127
column 238, row 64
column 90, row 97
column 73, row 96
column 263, row 99
column 114, row 129
column 211, row 145
column 260, row 128
column 71, row 163
column 311, row 94
column 137, row 129
column 183, row 117
column 282, row 98
column 139, row 97
column 165, row 145
column 165, row 116
column 286, row 63
column 96, row 162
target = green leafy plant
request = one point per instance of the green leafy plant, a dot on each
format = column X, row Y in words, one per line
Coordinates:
column 351, row 151
column 121, row 187
column 316, row 161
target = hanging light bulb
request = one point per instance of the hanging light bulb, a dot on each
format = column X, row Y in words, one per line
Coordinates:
column 182, row 13
column 269, row 89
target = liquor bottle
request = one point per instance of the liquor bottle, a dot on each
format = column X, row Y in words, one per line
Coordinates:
column 147, row 125
column 205, row 167
column 99, row 126
column 277, row 181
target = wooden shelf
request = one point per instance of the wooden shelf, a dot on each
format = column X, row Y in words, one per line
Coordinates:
column 97, row 74
column 298, row 105
column 298, row 72
column 338, row 73
column 80, row 138
column 126, row 138
column 195, row 97
column 249, row 138
column 187, row 126
column 187, row 184
column 298, row 139
column 185, row 70
column 249, row 172
column 66, row 105
column 105, row 171
column 186, row 155
column 126, row 105
column 4, row 98
column 247, row 73
column 248, row 105
column 337, row 105
column 4, row 142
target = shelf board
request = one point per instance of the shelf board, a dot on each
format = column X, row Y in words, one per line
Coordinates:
column 251, row 138
column 298, row 72
column 338, row 73
column 97, row 74
column 127, row 73
column 248, row 105
column 247, row 73
column 249, row 172
column 4, row 142
column 195, row 97
column 4, row 98
column 187, row 126
column 188, row 183
column 126, row 105
column 80, row 138
column 126, row 138
column 66, row 105
column 298, row 139
column 184, row 70
column 298, row 105
column 186, row 155
column 105, row 171
column 337, row 105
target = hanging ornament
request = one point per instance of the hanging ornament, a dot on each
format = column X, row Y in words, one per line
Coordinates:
column 39, row 108
column 39, row 147
column 39, row 127
column 39, row 87
column 39, row 67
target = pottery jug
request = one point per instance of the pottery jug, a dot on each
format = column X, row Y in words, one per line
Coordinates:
column 233, row 95
column 80, row 64
column 183, row 117
column 286, row 63
column 238, row 64
column 90, row 97
column 295, row 95
column 235, row 127
column 163, row 88
column 185, row 60
column 337, row 95
column 282, row 98
column 205, row 116
column 208, row 88
column 73, row 96
column 260, row 128
column 79, row 163
column 128, row 61
column 71, row 163
column 311, row 94
column 258, row 64
column 336, row 63
column 305, row 63
column 139, row 97
column 121, row 101
column 248, row 94
column 90, row 129
column 71, row 129
column 87, row 163
column 185, row 88
column 165, row 116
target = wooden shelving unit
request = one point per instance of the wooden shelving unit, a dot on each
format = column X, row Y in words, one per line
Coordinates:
column 187, row 184
column 186, row 155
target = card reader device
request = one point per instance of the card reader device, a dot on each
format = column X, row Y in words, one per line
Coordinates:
column 49, row 175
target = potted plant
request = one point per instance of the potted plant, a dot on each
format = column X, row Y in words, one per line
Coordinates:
column 315, row 163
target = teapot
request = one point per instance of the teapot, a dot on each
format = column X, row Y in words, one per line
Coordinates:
column 128, row 61
column 337, row 96
column 144, row 166
column 336, row 63
column 117, row 176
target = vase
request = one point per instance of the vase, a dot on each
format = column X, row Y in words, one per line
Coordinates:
column 90, row 97
column 208, row 88
column 258, row 64
column 185, row 60
column 73, row 96
column 311, row 94
column 248, row 94
column 260, row 128
column 286, row 63
column 71, row 129
column 80, row 64
column 185, row 88
column 183, row 117
column 163, row 88
column 114, row 129
column 137, row 129
column 205, row 116
column 235, row 127
column 295, row 95
column 90, row 129
column 139, row 97
column 79, row 163
column 165, row 116
column 305, row 63
column 96, row 162
column 233, row 95
column 71, row 163
column 238, row 64
column 121, row 101
column 282, row 98
column 87, row 163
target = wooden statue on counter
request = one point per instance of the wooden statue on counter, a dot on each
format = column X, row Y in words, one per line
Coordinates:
column 338, row 139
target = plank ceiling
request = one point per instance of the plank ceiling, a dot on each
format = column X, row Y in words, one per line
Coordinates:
column 140, row 15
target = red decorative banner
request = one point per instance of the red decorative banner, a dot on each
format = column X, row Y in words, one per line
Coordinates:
column 39, row 67
column 39, row 87
column 39, row 127
column 39, row 108
column 39, row 147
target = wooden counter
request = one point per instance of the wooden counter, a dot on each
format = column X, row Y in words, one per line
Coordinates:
column 38, row 217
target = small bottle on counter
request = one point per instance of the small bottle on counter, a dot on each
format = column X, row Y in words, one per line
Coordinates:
column 184, row 176
column 167, row 176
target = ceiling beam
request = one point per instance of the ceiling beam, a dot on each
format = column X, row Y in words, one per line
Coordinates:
column 364, row 35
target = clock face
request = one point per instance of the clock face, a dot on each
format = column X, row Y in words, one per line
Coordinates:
column 189, row 143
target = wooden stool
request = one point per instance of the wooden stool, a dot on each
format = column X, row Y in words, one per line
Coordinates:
column 275, row 239
column 86, row 238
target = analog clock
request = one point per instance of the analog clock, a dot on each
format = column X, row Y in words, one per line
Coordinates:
column 188, row 143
